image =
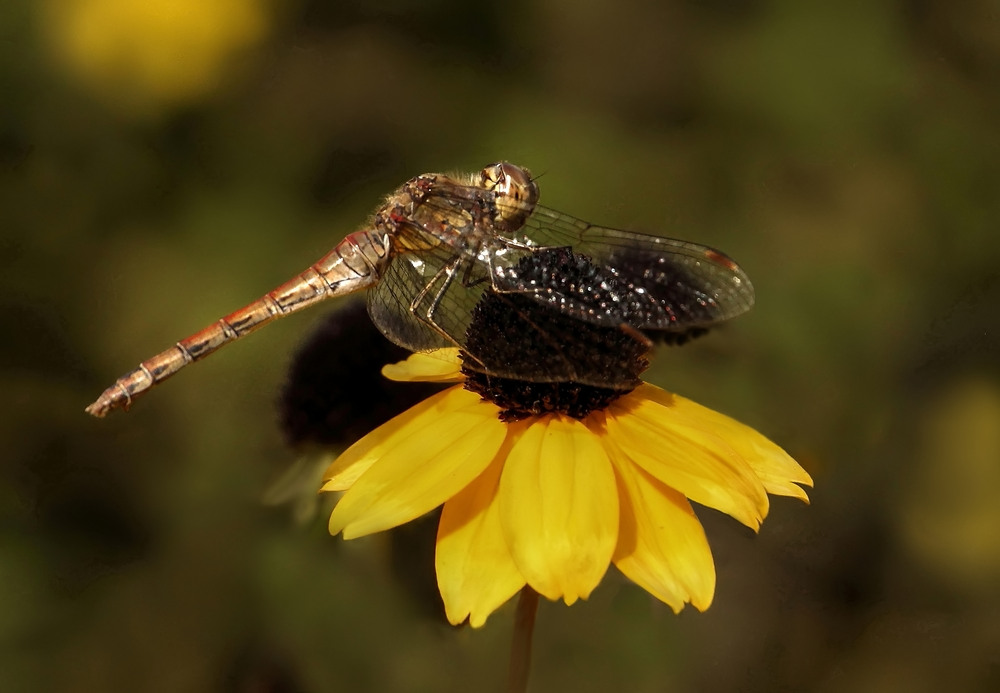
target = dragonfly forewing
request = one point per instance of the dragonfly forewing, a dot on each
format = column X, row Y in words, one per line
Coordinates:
column 656, row 283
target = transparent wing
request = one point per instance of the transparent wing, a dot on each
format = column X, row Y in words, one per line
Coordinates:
column 389, row 303
column 450, row 299
column 419, row 303
column 428, row 299
column 645, row 281
column 425, row 299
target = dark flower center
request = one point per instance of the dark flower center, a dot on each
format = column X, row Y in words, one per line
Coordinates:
column 530, row 358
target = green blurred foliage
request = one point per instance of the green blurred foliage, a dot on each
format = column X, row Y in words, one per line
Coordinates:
column 847, row 154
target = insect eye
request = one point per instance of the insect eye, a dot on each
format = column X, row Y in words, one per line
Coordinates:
column 492, row 176
column 514, row 178
column 516, row 194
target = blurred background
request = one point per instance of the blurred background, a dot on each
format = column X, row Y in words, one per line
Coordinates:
column 164, row 162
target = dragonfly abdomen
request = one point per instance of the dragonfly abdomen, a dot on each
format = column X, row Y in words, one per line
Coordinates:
column 355, row 264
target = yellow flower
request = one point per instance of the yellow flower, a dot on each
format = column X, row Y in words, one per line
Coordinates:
column 141, row 52
column 551, row 501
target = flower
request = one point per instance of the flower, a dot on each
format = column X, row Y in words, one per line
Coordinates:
column 551, row 458
column 333, row 395
column 551, row 500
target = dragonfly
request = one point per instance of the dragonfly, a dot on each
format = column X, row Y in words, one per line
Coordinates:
column 439, row 241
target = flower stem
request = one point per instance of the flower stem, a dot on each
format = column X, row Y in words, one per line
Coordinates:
column 520, row 647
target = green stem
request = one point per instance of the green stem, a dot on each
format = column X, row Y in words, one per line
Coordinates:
column 520, row 647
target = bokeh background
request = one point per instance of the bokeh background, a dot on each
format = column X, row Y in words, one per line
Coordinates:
column 164, row 162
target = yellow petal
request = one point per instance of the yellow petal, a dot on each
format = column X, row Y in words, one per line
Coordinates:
column 425, row 462
column 559, row 507
column 690, row 459
column 776, row 469
column 661, row 544
column 437, row 366
column 475, row 571
column 355, row 460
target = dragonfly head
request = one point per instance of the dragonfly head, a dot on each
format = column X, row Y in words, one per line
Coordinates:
column 516, row 193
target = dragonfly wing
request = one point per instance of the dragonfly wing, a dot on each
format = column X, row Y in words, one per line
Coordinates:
column 452, row 295
column 659, row 283
column 569, row 282
column 515, row 337
column 389, row 302
column 426, row 298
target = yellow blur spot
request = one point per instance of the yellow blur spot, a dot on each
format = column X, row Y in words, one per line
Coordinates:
column 950, row 514
column 143, row 54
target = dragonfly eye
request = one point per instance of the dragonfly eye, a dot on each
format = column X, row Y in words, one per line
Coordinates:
column 515, row 194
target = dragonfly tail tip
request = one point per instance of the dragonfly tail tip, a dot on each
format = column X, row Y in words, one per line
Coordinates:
column 97, row 410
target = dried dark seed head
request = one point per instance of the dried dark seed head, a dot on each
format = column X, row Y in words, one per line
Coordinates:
column 675, row 338
column 512, row 333
column 335, row 392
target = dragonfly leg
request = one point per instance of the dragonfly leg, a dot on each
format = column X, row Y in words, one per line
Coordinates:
column 439, row 285
column 512, row 243
column 444, row 276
